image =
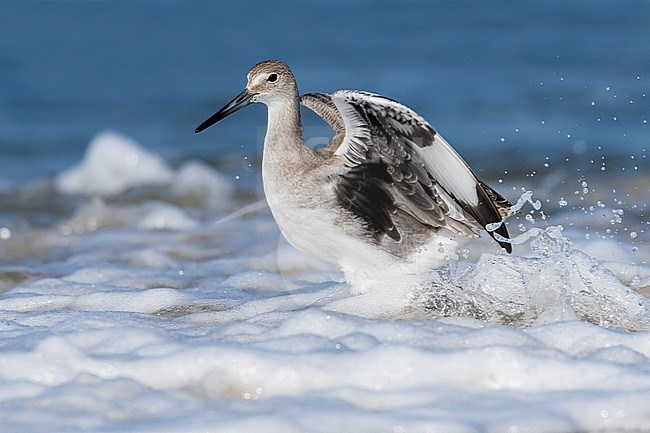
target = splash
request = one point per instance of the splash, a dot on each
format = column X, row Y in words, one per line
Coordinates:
column 526, row 197
column 557, row 283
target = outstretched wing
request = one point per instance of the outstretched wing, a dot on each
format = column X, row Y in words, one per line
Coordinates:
column 395, row 164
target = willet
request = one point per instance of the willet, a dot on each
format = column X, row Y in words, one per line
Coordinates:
column 388, row 197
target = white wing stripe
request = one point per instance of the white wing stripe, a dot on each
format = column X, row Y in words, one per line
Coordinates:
column 355, row 129
column 450, row 170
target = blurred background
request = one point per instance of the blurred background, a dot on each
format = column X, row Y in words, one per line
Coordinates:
column 509, row 83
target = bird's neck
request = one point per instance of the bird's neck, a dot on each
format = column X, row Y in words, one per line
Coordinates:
column 286, row 159
column 284, row 144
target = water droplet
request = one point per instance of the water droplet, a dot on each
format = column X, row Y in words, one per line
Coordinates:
column 5, row 233
column 503, row 140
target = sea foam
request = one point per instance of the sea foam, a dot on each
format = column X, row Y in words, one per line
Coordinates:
column 171, row 306
column 112, row 164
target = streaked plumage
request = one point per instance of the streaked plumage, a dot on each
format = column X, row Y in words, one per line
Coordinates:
column 388, row 196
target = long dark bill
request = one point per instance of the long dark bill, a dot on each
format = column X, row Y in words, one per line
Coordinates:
column 239, row 102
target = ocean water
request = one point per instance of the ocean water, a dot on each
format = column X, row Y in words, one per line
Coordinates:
column 144, row 285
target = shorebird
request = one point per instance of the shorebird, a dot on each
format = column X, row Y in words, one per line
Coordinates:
column 388, row 197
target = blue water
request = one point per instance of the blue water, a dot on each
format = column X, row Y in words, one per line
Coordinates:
column 508, row 83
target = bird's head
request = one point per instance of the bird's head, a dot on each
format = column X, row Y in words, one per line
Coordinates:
column 269, row 82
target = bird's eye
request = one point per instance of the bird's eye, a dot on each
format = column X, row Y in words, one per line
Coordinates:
column 272, row 78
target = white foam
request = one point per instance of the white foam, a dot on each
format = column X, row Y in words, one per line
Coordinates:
column 458, row 375
column 55, row 295
column 163, row 216
column 175, row 314
column 112, row 164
